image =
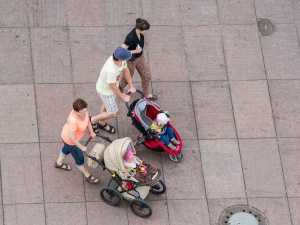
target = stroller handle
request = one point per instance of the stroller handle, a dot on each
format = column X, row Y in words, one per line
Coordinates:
column 129, row 93
column 98, row 135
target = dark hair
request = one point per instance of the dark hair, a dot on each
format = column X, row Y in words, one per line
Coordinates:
column 142, row 24
column 79, row 104
column 114, row 57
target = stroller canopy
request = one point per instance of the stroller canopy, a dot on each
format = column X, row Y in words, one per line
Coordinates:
column 114, row 154
column 140, row 110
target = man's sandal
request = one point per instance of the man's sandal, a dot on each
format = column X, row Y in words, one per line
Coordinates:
column 111, row 129
column 94, row 126
column 92, row 180
column 63, row 166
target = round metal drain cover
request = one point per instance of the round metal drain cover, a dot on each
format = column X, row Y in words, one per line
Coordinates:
column 242, row 215
column 265, row 27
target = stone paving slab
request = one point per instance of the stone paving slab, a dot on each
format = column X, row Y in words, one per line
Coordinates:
column 18, row 164
column 46, row 13
column 51, row 55
column 204, row 53
column 223, row 174
column 289, row 151
column 276, row 209
column 16, row 98
column 56, row 213
column 26, row 214
column 15, row 56
column 195, row 12
column 259, row 157
column 294, row 204
column 12, row 16
column 281, row 53
column 236, row 12
column 213, row 110
column 284, row 96
column 252, row 109
column 195, row 211
column 243, row 52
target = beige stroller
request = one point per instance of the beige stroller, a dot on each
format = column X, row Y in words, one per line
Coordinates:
column 123, row 185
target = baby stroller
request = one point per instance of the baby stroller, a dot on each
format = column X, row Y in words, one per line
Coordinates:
column 134, row 188
column 143, row 112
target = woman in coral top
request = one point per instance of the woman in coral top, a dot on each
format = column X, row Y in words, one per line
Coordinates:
column 77, row 123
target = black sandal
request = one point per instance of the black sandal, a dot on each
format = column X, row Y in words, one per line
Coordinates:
column 94, row 126
column 92, row 180
column 63, row 166
column 110, row 130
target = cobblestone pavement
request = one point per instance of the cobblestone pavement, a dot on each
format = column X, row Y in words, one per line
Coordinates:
column 232, row 93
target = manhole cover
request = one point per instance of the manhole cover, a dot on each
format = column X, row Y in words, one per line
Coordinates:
column 242, row 215
column 266, row 27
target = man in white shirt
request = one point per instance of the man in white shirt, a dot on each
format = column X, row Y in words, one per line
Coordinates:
column 108, row 88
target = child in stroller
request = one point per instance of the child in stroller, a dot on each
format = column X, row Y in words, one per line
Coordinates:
column 163, row 131
column 134, row 188
column 143, row 112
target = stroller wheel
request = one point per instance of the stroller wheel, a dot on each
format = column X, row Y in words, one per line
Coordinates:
column 159, row 188
column 111, row 196
column 140, row 208
column 176, row 158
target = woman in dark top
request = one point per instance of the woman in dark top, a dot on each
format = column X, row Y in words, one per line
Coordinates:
column 134, row 42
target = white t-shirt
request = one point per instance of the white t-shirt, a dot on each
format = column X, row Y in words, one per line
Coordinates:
column 110, row 73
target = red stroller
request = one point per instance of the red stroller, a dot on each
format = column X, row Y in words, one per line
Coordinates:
column 143, row 112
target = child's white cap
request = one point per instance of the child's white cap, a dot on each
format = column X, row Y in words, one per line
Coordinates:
column 162, row 119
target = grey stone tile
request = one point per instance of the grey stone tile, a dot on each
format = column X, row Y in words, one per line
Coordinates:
column 51, row 55
column 213, row 110
column 100, row 212
column 252, row 109
column 53, row 99
column 204, row 53
column 15, row 56
column 163, row 69
column 188, row 211
column 285, row 97
column 56, row 213
column 222, row 169
column 195, row 12
column 159, row 214
column 282, row 53
column 260, row 158
column 161, row 12
column 13, row 14
column 279, row 11
column 275, row 209
column 1, row 214
column 47, row 13
column 289, row 151
column 60, row 185
column 217, row 206
column 294, row 204
column 236, row 12
column 187, row 171
column 25, row 214
column 102, row 13
column 21, row 174
column 243, row 52
column 91, row 47
column 14, row 98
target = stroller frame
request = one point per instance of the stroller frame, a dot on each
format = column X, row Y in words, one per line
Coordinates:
column 116, row 189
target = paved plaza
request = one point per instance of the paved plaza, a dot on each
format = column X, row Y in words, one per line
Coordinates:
column 232, row 93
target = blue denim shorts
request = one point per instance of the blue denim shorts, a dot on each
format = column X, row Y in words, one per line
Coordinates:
column 75, row 152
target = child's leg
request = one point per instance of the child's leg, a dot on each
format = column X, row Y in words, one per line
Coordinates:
column 171, row 135
column 164, row 139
